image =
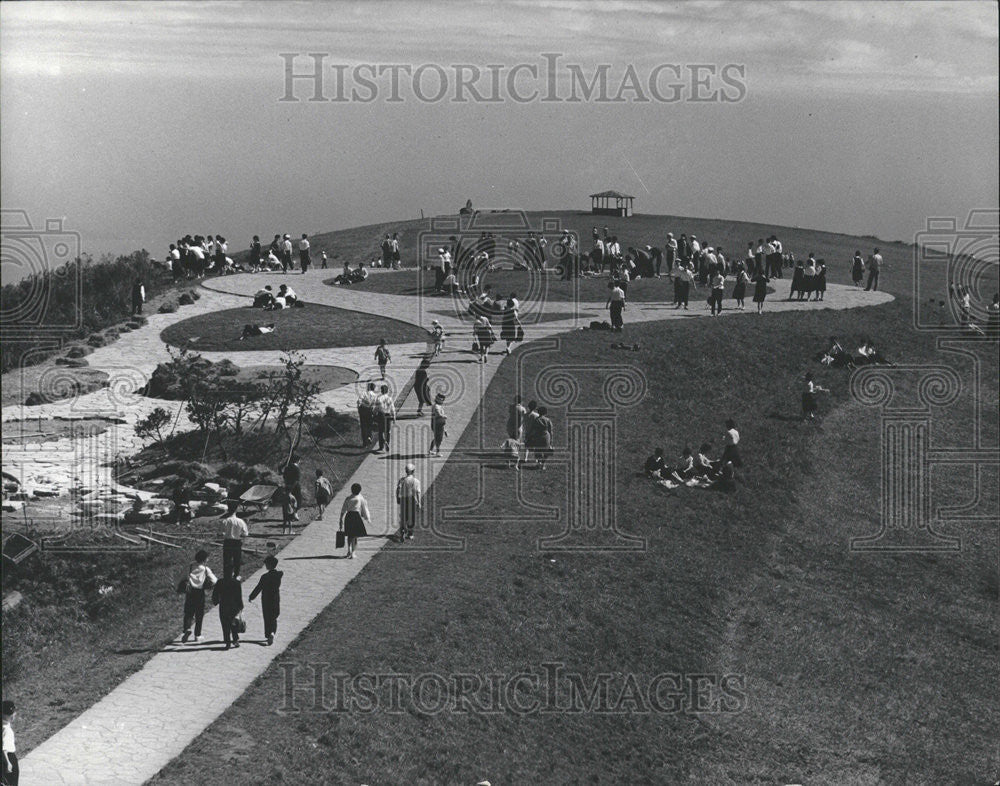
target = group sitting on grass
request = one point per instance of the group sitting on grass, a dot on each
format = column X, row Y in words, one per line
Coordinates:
column 868, row 354
column 699, row 470
column 266, row 299
column 349, row 276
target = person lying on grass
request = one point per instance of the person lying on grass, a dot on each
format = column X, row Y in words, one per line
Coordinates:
column 250, row 331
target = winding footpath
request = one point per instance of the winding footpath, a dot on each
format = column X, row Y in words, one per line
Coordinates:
column 134, row 731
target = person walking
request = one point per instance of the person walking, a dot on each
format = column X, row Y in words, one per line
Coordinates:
column 11, row 770
column 269, row 589
column 138, row 296
column 874, row 266
column 234, row 530
column 385, row 415
column 858, row 270
column 228, row 596
column 760, row 291
column 408, row 499
column 515, row 419
column 382, row 356
column 199, row 579
column 421, row 385
column 740, row 290
column 323, row 261
column 366, row 413
column 616, row 305
column 354, row 516
column 323, row 492
column 304, row 260
column 809, row 405
column 286, row 253
column 511, row 330
column 684, row 279
column 542, row 438
column 482, row 330
column 438, row 422
column 291, row 473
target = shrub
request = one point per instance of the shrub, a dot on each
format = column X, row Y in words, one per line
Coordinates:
column 168, row 307
column 185, row 299
column 195, row 294
column 78, row 351
column 226, row 368
column 138, row 320
column 135, row 324
column 96, row 340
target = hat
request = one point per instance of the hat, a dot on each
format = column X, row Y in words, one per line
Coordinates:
column 435, row 322
column 286, row 236
column 440, row 250
column 410, row 469
column 439, row 398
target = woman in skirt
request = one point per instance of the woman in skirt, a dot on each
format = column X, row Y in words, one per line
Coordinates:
column 541, row 438
column 484, row 335
column 511, row 330
column 858, row 270
column 797, row 275
column 438, row 421
column 819, row 283
column 760, row 291
column 353, row 517
column 740, row 290
column 809, row 406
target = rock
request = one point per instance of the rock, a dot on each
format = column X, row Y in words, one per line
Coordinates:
column 12, row 505
column 11, row 600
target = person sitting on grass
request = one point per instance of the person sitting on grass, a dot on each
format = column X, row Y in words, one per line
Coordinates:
column 288, row 294
column 655, row 464
column 686, row 468
column 703, row 464
column 809, row 405
column 263, row 297
column 835, row 356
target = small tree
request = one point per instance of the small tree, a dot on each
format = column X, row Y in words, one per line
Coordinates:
column 152, row 425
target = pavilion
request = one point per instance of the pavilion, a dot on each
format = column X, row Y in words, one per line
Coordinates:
column 600, row 204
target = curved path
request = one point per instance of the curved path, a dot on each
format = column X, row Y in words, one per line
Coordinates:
column 134, row 731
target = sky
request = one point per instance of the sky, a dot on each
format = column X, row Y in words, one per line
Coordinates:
column 137, row 123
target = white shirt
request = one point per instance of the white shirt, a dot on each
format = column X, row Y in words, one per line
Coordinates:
column 290, row 293
column 175, row 254
column 732, row 437
column 408, row 488
column 198, row 574
column 777, row 246
column 384, row 405
column 8, row 739
column 287, row 246
column 358, row 503
column 234, row 528
column 303, row 245
column 367, row 399
column 695, row 246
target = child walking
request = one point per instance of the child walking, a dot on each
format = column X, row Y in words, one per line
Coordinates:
column 323, row 492
column 228, row 596
column 760, row 292
column 199, row 579
column 809, row 406
column 382, row 356
column 269, row 589
column 438, row 421
column 437, row 334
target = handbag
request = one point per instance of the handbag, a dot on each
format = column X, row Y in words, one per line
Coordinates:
column 340, row 539
column 240, row 623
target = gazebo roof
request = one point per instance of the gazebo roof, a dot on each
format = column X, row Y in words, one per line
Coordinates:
column 612, row 194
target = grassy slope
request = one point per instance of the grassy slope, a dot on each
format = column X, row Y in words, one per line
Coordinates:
column 859, row 668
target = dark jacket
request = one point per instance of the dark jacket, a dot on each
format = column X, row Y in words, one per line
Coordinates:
column 269, row 589
column 228, row 596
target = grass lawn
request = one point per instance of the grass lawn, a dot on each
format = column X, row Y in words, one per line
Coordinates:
column 327, row 377
column 855, row 668
column 312, row 327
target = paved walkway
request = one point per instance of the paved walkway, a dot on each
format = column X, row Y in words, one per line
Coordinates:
column 128, row 736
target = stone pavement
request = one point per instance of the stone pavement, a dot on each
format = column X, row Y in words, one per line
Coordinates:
column 133, row 732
